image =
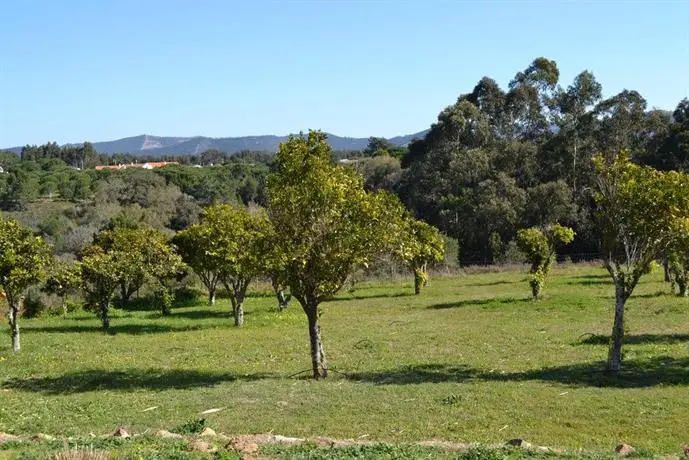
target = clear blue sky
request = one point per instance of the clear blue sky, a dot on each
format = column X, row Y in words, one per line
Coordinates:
column 104, row 69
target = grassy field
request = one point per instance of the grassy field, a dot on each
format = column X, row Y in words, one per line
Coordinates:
column 470, row 360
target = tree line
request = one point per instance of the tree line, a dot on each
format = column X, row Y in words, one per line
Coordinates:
column 501, row 159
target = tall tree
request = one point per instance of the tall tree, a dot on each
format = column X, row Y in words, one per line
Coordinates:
column 620, row 123
column 574, row 106
column 673, row 151
column 23, row 257
column 326, row 225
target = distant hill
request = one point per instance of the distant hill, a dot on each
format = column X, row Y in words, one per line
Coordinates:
column 157, row 145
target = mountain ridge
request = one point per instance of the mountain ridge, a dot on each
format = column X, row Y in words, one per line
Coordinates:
column 150, row 145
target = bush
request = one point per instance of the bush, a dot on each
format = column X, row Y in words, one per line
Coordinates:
column 188, row 293
column 34, row 303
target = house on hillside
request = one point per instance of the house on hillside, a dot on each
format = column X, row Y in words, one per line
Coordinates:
column 148, row 165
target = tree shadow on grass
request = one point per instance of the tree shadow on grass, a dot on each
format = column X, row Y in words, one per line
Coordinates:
column 635, row 339
column 221, row 313
column 587, row 277
column 472, row 302
column 422, row 373
column 392, row 295
column 132, row 329
column 132, row 379
column 591, row 282
column 649, row 295
column 635, row 374
column 493, row 283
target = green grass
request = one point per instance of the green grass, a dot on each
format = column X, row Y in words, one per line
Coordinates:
column 470, row 360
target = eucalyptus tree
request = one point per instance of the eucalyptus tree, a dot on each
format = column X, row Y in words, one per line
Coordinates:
column 575, row 106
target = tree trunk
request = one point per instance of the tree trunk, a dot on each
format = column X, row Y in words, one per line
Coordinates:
column 318, row 361
column 282, row 300
column 666, row 269
column 15, row 306
column 125, row 294
column 211, row 296
column 279, row 294
column 64, row 306
column 574, row 163
column 617, row 338
column 239, row 307
column 104, row 314
column 418, row 280
column 682, row 290
column 535, row 290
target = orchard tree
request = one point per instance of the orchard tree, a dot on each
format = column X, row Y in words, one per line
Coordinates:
column 678, row 259
column 144, row 256
column 205, row 264
column 100, row 274
column 64, row 278
column 23, row 257
column 128, row 256
column 326, row 225
column 538, row 245
column 420, row 245
column 637, row 208
column 239, row 245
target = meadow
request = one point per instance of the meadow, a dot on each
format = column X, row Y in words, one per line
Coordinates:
column 470, row 360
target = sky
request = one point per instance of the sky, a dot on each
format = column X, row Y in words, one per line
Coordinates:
column 76, row 70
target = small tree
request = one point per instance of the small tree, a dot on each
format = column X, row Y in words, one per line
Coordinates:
column 420, row 245
column 539, row 247
column 129, row 256
column 326, row 225
column 64, row 278
column 23, row 257
column 638, row 207
column 678, row 259
column 206, row 265
column 239, row 249
column 100, row 274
